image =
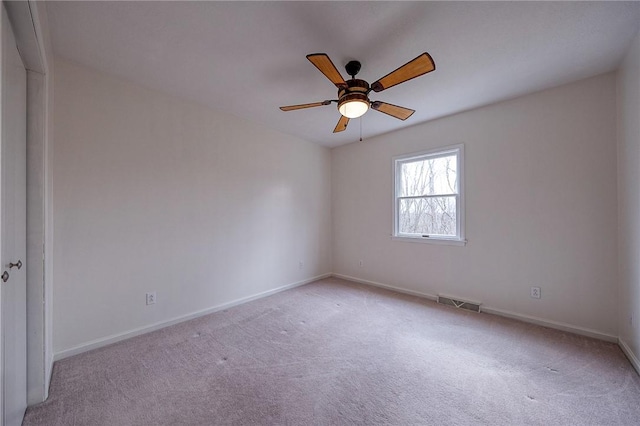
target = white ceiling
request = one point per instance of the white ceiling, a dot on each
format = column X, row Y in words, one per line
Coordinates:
column 248, row 58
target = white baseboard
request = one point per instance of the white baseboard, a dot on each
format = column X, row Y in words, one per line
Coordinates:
column 552, row 324
column 386, row 286
column 513, row 315
column 48, row 376
column 98, row 343
column 633, row 359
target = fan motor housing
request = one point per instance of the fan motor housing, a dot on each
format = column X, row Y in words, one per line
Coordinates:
column 356, row 90
column 353, row 97
column 354, row 85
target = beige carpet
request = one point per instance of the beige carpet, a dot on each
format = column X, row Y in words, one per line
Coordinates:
column 334, row 352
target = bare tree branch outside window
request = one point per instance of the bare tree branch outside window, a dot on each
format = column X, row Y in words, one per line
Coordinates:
column 427, row 198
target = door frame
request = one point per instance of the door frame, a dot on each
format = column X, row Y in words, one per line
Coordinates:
column 13, row 350
column 29, row 22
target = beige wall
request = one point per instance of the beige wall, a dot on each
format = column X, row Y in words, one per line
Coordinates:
column 540, row 208
column 152, row 193
column 629, row 199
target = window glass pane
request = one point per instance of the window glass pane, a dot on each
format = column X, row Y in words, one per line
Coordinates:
column 429, row 177
column 429, row 216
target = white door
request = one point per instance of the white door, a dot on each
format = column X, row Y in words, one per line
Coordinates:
column 13, row 296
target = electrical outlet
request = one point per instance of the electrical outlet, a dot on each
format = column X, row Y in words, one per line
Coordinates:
column 300, row 264
column 535, row 292
column 360, row 263
column 151, row 298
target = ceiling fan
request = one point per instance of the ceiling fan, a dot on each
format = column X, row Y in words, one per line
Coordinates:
column 353, row 95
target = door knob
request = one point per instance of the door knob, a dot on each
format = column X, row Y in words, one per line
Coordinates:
column 5, row 276
column 17, row 265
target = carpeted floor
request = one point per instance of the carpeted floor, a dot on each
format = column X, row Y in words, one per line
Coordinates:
column 334, row 352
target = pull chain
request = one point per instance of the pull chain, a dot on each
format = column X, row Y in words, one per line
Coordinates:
column 360, row 129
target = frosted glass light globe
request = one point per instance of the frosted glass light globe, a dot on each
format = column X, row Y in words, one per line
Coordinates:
column 354, row 108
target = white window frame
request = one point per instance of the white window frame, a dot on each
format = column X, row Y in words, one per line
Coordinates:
column 459, row 238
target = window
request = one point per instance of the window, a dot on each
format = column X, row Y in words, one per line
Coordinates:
column 428, row 201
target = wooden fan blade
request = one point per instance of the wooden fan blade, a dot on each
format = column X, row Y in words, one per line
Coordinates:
column 301, row 106
column 326, row 67
column 412, row 69
column 392, row 110
column 342, row 124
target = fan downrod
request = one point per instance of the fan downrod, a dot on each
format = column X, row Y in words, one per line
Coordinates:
column 353, row 68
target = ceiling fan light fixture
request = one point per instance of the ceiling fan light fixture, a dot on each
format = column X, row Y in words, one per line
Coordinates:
column 353, row 105
column 353, row 95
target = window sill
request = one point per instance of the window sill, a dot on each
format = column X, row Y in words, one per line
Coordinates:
column 430, row 240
